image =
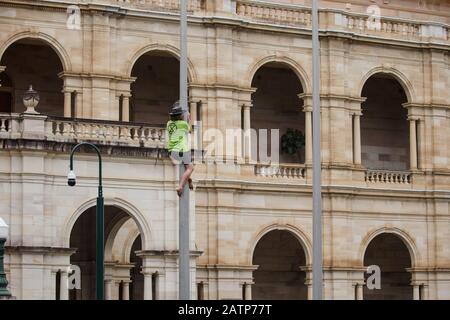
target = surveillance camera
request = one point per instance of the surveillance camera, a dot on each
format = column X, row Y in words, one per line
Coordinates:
column 71, row 179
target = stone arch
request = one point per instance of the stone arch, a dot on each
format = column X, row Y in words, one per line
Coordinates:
column 52, row 42
column 143, row 225
column 173, row 51
column 128, row 245
column 396, row 74
column 112, row 234
column 402, row 235
column 291, row 63
column 302, row 238
column 124, row 244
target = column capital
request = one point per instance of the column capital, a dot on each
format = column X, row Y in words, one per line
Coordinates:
column 413, row 118
column 307, row 108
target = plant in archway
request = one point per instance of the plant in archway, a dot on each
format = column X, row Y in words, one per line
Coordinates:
column 292, row 142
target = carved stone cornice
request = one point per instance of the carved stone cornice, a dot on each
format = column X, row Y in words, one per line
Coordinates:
column 66, row 147
column 170, row 253
column 237, row 21
column 40, row 250
column 89, row 75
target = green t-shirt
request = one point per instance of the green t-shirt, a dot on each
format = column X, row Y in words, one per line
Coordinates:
column 177, row 136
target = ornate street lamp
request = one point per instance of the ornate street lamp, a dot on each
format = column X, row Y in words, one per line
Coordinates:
column 4, row 292
column 30, row 100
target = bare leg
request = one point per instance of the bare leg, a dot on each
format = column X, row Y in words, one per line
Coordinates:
column 186, row 176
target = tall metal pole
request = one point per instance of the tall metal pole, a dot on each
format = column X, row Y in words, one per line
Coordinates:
column 183, row 228
column 317, row 182
column 99, row 225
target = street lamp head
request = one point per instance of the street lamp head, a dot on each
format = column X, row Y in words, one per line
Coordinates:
column 3, row 229
column 71, row 178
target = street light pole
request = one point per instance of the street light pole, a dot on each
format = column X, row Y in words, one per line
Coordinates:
column 317, row 162
column 99, row 218
column 184, row 281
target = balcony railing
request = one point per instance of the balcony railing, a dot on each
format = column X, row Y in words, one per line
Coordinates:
column 275, row 13
column 76, row 130
column 391, row 177
column 162, row 5
column 281, row 171
column 342, row 21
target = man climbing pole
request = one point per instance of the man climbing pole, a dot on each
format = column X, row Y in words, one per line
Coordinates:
column 178, row 129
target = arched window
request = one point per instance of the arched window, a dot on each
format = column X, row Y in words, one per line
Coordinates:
column 33, row 62
column 390, row 254
column 156, row 87
column 280, row 257
column 276, row 105
column 384, row 125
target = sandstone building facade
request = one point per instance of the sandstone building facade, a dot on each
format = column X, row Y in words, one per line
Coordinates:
column 107, row 72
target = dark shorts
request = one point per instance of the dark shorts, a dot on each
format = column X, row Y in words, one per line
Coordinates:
column 181, row 157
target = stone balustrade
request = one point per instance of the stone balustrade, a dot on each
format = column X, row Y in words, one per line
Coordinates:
column 384, row 176
column 342, row 21
column 100, row 132
column 105, row 132
column 274, row 13
column 281, row 171
column 386, row 26
column 163, row 5
column 9, row 125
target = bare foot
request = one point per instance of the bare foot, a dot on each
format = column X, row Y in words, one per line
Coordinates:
column 191, row 185
column 180, row 191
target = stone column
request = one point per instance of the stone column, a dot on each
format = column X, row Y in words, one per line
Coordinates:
column 108, row 289
column 78, row 104
column 64, row 286
column 67, row 104
column 248, row 291
column 425, row 292
column 148, row 286
column 125, row 291
column 416, row 291
column 359, row 291
column 247, row 145
column 193, row 111
column 308, row 134
column 126, row 108
column 310, row 291
column 412, row 143
column 357, row 138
